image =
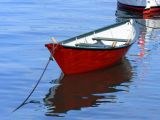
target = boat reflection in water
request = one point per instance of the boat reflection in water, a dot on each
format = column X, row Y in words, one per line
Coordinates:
column 149, row 30
column 87, row 90
column 126, row 14
column 147, row 26
column 134, row 14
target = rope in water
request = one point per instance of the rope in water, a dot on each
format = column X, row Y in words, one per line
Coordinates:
column 40, row 78
column 23, row 103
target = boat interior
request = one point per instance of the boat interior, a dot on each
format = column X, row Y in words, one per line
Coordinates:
column 113, row 36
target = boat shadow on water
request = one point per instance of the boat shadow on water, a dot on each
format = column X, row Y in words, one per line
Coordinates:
column 88, row 89
column 148, row 31
column 123, row 13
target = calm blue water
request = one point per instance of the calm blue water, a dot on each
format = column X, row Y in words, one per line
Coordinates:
column 128, row 91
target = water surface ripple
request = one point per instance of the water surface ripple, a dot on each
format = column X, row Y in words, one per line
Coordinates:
column 127, row 91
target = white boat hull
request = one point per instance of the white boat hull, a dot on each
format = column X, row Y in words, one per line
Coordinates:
column 141, row 3
column 143, row 6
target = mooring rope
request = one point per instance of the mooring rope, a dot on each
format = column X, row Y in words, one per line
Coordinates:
column 40, row 78
column 147, row 25
column 23, row 103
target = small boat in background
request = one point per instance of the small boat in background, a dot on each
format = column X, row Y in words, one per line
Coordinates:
column 142, row 6
column 94, row 50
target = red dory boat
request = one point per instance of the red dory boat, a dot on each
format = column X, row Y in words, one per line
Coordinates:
column 94, row 50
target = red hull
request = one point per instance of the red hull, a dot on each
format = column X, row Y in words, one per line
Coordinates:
column 140, row 9
column 73, row 61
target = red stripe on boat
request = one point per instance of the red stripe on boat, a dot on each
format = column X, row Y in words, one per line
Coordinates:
column 152, row 11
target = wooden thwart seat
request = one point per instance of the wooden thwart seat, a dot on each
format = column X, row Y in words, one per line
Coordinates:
column 91, row 45
column 114, row 40
column 109, row 39
column 98, row 39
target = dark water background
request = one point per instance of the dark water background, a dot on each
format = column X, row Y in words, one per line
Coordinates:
column 128, row 91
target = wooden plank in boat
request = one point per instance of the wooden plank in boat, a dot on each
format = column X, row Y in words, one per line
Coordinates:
column 109, row 39
column 92, row 45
